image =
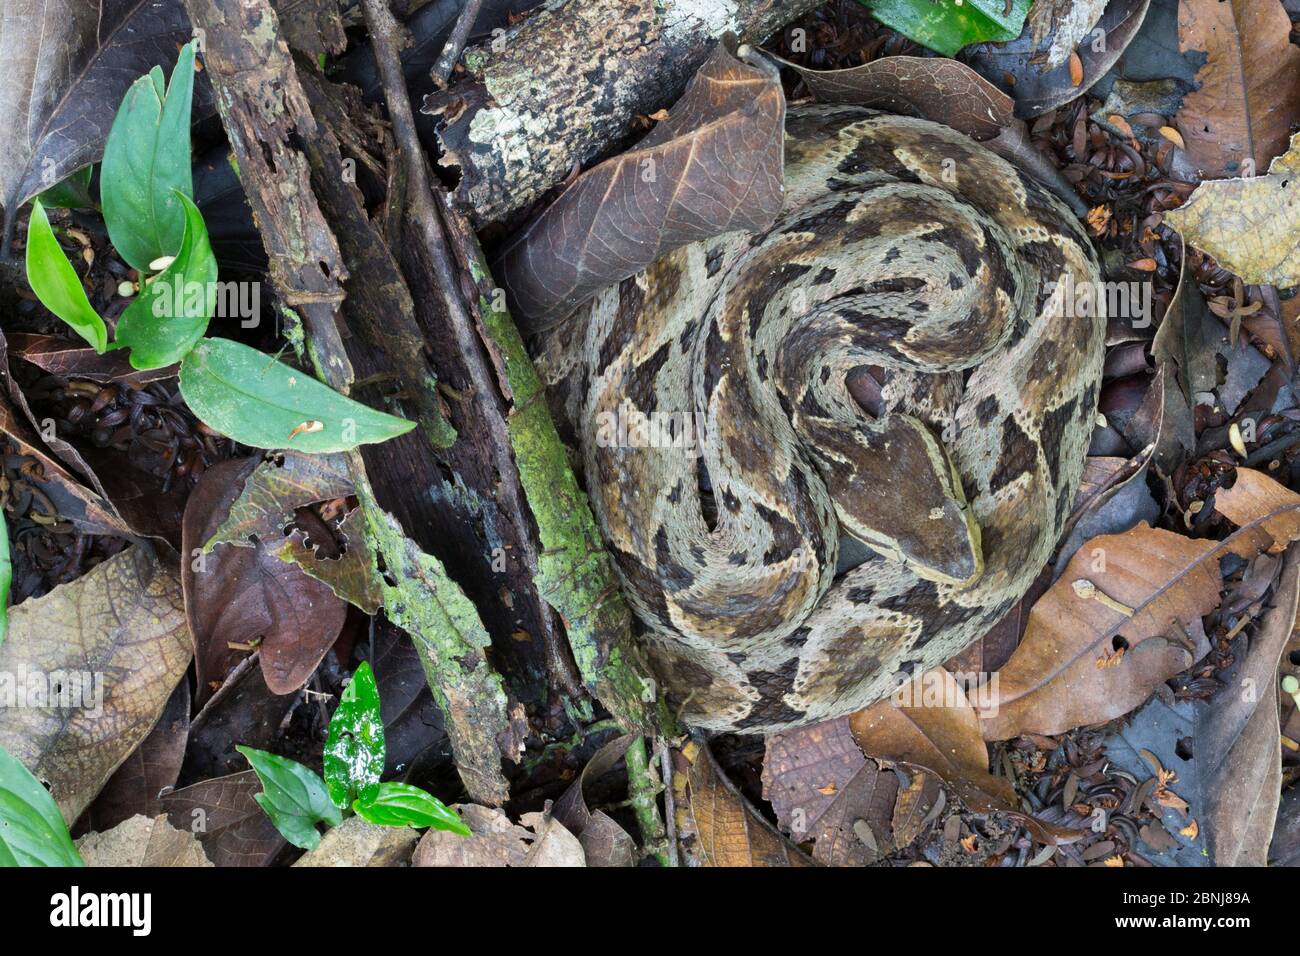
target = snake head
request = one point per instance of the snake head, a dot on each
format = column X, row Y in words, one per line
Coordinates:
column 900, row 494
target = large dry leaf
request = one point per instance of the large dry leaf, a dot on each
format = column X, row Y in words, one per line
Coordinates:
column 142, row 841
column 1125, row 616
column 67, row 65
column 1071, row 668
column 1237, row 745
column 931, row 724
column 1251, row 226
column 728, row 830
column 136, row 787
column 121, row 623
column 714, row 165
column 1267, row 510
column 237, row 598
column 939, row 89
column 233, row 829
column 1248, row 92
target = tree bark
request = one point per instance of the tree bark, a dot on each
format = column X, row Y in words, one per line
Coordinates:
column 568, row 83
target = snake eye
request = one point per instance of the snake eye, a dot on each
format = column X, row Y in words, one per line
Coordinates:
column 866, row 384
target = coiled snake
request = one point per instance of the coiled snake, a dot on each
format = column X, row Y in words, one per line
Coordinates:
column 905, row 254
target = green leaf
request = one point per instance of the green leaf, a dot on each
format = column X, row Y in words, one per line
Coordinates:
column 172, row 312
column 32, row 831
column 146, row 163
column 402, row 805
column 71, row 193
column 354, row 749
column 6, row 577
column 250, row 397
column 56, row 284
column 293, row 796
column 946, row 25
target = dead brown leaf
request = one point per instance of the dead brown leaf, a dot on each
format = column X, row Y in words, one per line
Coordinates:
column 113, row 645
column 946, row 91
column 714, row 166
column 141, row 841
column 241, row 598
column 604, row 842
column 728, row 830
column 1248, row 92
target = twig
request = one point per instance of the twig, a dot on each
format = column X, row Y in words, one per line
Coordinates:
column 670, row 808
column 645, row 802
column 423, row 210
column 456, row 42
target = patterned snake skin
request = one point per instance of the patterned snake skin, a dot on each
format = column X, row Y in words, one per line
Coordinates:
column 903, row 247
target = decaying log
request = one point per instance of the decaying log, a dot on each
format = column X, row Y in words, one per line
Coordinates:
column 565, row 85
column 269, row 121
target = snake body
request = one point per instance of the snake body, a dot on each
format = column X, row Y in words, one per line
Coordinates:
column 886, row 363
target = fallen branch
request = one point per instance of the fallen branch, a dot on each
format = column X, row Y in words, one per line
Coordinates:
column 545, row 104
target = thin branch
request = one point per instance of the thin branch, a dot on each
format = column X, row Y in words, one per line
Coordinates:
column 456, row 42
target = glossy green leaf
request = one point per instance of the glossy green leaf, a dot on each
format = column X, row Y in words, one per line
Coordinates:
column 354, row 749
column 172, row 312
column 32, row 831
column 250, row 397
column 71, row 193
column 56, row 284
column 402, row 805
column 948, row 25
column 293, row 796
column 146, row 163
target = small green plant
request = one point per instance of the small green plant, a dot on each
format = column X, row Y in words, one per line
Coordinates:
column 32, row 831
column 948, row 25
column 297, row 800
column 146, row 195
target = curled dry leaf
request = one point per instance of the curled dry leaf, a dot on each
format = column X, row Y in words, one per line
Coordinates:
column 141, row 841
column 728, row 831
column 943, row 90
column 111, row 647
column 1247, row 91
column 1249, row 225
column 715, row 165
column 351, row 575
column 60, row 356
column 604, row 842
column 239, row 598
column 495, row 841
column 265, row 504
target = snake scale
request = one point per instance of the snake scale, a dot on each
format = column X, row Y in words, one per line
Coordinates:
column 887, row 364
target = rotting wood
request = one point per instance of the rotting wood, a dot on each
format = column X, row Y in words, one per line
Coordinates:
column 568, row 83
column 268, row 120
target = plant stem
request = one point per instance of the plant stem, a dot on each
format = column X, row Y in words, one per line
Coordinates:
column 645, row 786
